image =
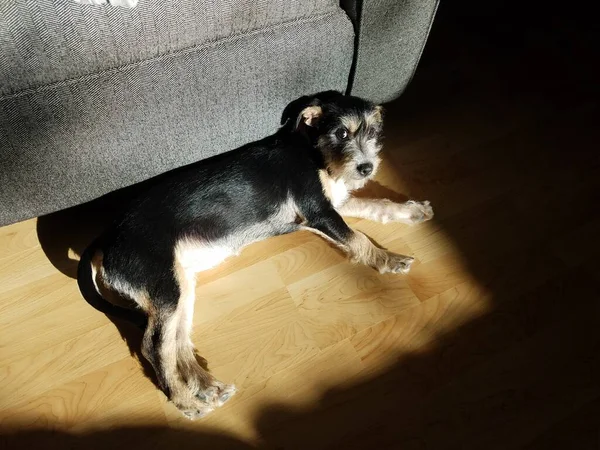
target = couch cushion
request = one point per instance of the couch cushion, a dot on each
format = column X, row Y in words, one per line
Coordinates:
column 75, row 140
column 391, row 39
column 46, row 41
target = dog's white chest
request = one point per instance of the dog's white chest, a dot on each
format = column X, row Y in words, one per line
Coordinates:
column 335, row 190
column 338, row 192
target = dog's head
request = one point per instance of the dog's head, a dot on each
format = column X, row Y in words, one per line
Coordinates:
column 347, row 130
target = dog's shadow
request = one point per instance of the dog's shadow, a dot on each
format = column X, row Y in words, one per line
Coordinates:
column 64, row 235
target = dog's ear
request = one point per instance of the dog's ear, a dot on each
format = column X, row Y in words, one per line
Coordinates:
column 310, row 116
column 307, row 109
column 293, row 109
column 379, row 113
column 375, row 117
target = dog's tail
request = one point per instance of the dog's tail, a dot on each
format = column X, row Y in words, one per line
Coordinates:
column 89, row 291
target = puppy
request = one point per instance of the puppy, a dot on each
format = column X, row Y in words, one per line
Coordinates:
column 300, row 178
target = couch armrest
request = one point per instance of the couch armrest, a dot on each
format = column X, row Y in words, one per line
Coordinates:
column 390, row 37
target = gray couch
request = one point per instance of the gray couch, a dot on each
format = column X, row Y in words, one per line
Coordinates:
column 95, row 98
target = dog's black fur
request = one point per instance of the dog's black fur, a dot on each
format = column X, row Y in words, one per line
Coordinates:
column 266, row 188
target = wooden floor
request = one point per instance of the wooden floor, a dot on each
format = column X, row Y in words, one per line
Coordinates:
column 491, row 342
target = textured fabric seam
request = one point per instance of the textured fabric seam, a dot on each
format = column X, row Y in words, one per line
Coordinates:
column 356, row 26
column 175, row 54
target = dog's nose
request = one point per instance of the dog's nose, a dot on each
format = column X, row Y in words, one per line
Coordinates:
column 365, row 169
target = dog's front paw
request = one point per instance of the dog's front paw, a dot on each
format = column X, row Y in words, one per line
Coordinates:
column 206, row 400
column 417, row 212
column 395, row 263
column 411, row 212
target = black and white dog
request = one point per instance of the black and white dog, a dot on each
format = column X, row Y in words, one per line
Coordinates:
column 300, row 178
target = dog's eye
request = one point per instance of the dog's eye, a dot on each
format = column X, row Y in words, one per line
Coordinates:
column 341, row 134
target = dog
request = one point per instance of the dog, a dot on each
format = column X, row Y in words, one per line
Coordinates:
column 300, row 178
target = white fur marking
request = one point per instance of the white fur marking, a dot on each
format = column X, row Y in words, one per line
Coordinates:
column 338, row 191
column 198, row 257
column 94, row 277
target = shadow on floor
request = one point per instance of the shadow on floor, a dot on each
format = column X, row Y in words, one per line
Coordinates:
column 131, row 437
column 526, row 372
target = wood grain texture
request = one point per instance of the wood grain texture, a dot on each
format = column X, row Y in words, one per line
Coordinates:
column 491, row 342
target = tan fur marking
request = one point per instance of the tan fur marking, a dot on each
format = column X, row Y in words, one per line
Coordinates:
column 194, row 376
column 336, row 168
column 186, row 279
column 382, row 210
column 122, row 296
column 311, row 114
column 183, row 376
column 375, row 117
column 324, row 178
column 327, row 238
column 167, row 351
column 189, row 386
column 360, row 249
column 96, row 263
column 352, row 123
column 335, row 190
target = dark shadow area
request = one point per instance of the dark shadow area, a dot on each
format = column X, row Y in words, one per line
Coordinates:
column 130, row 437
column 64, row 236
column 524, row 372
column 75, row 228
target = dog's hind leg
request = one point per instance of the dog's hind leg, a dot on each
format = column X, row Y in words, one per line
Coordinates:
column 168, row 347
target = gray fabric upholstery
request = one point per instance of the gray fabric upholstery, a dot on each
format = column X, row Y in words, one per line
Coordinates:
column 121, row 3
column 46, row 41
column 391, row 37
column 74, row 140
